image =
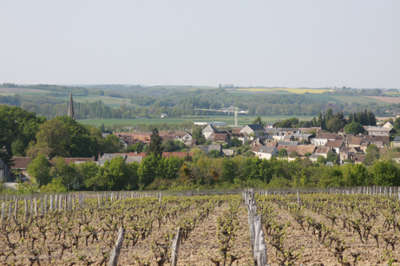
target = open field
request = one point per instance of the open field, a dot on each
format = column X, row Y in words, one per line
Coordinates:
column 25, row 91
column 355, row 99
column 108, row 100
column 311, row 229
column 385, row 99
column 242, row 120
column 290, row 90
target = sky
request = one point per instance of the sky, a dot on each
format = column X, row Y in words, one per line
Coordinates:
column 291, row 43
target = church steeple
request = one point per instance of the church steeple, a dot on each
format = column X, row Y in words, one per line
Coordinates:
column 71, row 112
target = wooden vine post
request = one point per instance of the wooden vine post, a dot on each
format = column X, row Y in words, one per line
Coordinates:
column 175, row 247
column 117, row 248
column 257, row 237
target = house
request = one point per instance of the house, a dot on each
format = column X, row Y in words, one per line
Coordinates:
column 358, row 158
column 379, row 141
column 396, row 142
column 388, row 125
column 353, row 141
column 323, row 138
column 305, row 150
column 378, row 131
column 344, row 154
column 172, row 135
column 78, row 160
column 109, row 156
column 131, row 157
column 335, row 145
column 134, row 137
column 208, row 131
column 310, row 130
column 20, row 166
column 210, row 148
column 265, row 152
column 299, row 150
column 288, row 143
column 228, row 152
column 214, row 147
column 253, row 130
column 322, row 151
column 220, row 137
column 187, row 139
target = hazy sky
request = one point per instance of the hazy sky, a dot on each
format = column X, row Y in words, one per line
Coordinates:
column 204, row 42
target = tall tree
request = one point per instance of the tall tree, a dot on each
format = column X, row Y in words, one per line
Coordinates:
column 39, row 169
column 155, row 146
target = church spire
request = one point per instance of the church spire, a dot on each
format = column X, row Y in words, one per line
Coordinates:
column 71, row 112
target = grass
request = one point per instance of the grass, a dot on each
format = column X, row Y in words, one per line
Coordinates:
column 290, row 90
column 355, row 99
column 242, row 120
column 108, row 100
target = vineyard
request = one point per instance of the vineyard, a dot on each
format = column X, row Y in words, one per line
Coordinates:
column 129, row 228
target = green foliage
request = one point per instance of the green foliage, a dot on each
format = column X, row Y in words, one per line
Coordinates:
column 111, row 144
column 55, row 186
column 229, row 170
column 17, row 129
column 355, row 175
column 214, row 154
column 321, row 160
column 87, row 171
column 335, row 124
column 282, row 153
column 137, row 147
column 27, row 188
column 353, row 128
column 172, row 145
column 168, row 168
column 288, row 123
column 39, row 169
column 258, row 121
column 66, row 174
column 198, row 136
column 63, row 136
column 385, row 173
column 148, row 170
column 114, row 175
column 155, row 147
column 332, row 157
column 372, row 154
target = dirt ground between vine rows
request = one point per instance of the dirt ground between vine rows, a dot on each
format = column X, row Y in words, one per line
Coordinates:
column 202, row 244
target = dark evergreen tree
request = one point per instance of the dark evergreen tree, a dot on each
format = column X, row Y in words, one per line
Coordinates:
column 155, row 146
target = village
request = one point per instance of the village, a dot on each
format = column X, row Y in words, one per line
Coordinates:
column 283, row 143
column 264, row 142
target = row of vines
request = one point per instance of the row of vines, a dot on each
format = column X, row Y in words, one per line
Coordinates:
column 308, row 229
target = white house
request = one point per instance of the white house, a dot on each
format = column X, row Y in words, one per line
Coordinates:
column 208, row 131
column 253, row 130
column 264, row 152
column 378, row 131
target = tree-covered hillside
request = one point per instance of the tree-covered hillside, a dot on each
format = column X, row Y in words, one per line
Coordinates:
column 120, row 101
